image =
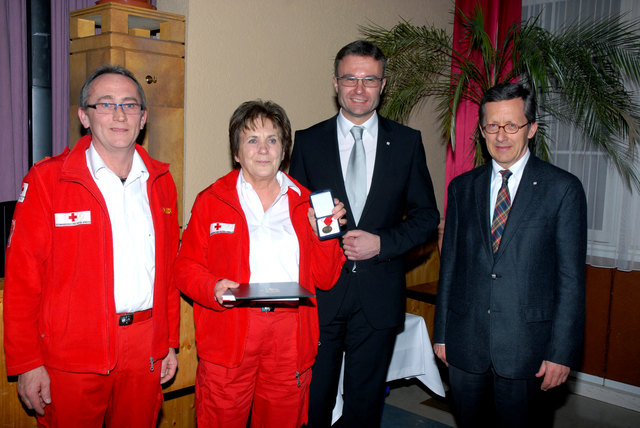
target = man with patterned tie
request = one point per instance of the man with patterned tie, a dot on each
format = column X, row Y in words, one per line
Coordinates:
column 378, row 167
column 510, row 308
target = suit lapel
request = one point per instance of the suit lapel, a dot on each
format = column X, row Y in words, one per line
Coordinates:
column 333, row 156
column 520, row 205
column 382, row 168
column 482, row 191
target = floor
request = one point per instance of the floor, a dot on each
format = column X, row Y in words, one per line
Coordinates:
column 576, row 411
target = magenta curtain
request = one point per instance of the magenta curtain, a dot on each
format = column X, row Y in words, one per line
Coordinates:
column 13, row 98
column 499, row 16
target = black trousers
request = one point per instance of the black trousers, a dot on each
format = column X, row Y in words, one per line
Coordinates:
column 367, row 354
column 489, row 400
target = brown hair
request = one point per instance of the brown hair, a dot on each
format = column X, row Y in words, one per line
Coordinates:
column 249, row 112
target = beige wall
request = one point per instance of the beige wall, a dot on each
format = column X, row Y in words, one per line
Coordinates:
column 280, row 50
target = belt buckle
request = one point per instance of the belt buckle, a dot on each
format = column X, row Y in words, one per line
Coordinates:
column 126, row 319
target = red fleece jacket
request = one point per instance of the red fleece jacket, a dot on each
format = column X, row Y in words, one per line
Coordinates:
column 206, row 258
column 59, row 307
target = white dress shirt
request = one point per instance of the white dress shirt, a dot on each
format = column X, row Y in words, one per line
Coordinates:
column 513, row 183
column 132, row 229
column 369, row 140
column 274, row 252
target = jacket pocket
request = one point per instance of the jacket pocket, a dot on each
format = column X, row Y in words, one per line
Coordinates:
column 537, row 313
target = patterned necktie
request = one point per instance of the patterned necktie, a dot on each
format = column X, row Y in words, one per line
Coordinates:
column 501, row 212
column 356, row 181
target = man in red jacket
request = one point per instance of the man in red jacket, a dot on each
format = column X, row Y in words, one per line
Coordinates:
column 91, row 313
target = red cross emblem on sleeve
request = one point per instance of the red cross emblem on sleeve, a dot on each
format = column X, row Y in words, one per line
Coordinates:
column 219, row 227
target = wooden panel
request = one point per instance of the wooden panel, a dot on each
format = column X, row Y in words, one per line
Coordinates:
column 187, row 358
column 133, row 43
column 425, row 309
column 423, row 265
column 623, row 362
column 173, row 30
column 77, row 74
column 167, row 89
column 598, row 291
column 115, row 20
column 178, row 410
column 139, row 32
column 164, row 141
column 81, row 28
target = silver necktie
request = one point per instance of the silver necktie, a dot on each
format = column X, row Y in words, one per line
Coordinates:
column 356, row 181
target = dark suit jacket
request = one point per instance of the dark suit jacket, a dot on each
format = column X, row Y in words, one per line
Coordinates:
column 401, row 185
column 525, row 304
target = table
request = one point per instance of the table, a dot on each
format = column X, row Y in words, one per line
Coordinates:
column 412, row 358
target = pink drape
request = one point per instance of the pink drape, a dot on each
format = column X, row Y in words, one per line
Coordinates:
column 499, row 16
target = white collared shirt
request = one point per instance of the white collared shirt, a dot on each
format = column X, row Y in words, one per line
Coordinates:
column 274, row 252
column 346, row 142
column 514, row 181
column 132, row 230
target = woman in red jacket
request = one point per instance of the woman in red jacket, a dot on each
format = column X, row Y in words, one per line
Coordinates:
column 254, row 225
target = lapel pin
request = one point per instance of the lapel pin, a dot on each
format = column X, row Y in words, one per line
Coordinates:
column 388, row 143
column 535, row 183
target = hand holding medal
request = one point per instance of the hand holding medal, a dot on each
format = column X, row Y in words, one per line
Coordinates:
column 326, row 215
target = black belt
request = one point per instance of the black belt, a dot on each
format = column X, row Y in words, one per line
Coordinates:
column 276, row 307
column 133, row 317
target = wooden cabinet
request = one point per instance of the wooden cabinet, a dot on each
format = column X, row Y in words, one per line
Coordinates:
column 151, row 45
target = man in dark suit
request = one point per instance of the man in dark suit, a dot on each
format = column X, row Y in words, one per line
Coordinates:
column 391, row 209
column 510, row 307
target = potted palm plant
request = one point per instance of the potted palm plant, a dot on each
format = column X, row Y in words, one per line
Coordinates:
column 580, row 75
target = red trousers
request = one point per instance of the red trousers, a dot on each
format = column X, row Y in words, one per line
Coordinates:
column 129, row 396
column 266, row 377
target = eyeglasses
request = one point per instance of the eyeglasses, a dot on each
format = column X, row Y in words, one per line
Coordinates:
column 110, row 108
column 509, row 128
column 352, row 81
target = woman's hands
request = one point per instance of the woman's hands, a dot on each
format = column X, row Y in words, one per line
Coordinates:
column 221, row 287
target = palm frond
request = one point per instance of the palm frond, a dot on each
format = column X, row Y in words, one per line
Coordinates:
column 581, row 75
column 418, row 60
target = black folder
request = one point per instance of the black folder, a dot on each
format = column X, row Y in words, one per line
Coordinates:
column 267, row 291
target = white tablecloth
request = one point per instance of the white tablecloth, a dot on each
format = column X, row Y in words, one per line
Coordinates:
column 412, row 357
